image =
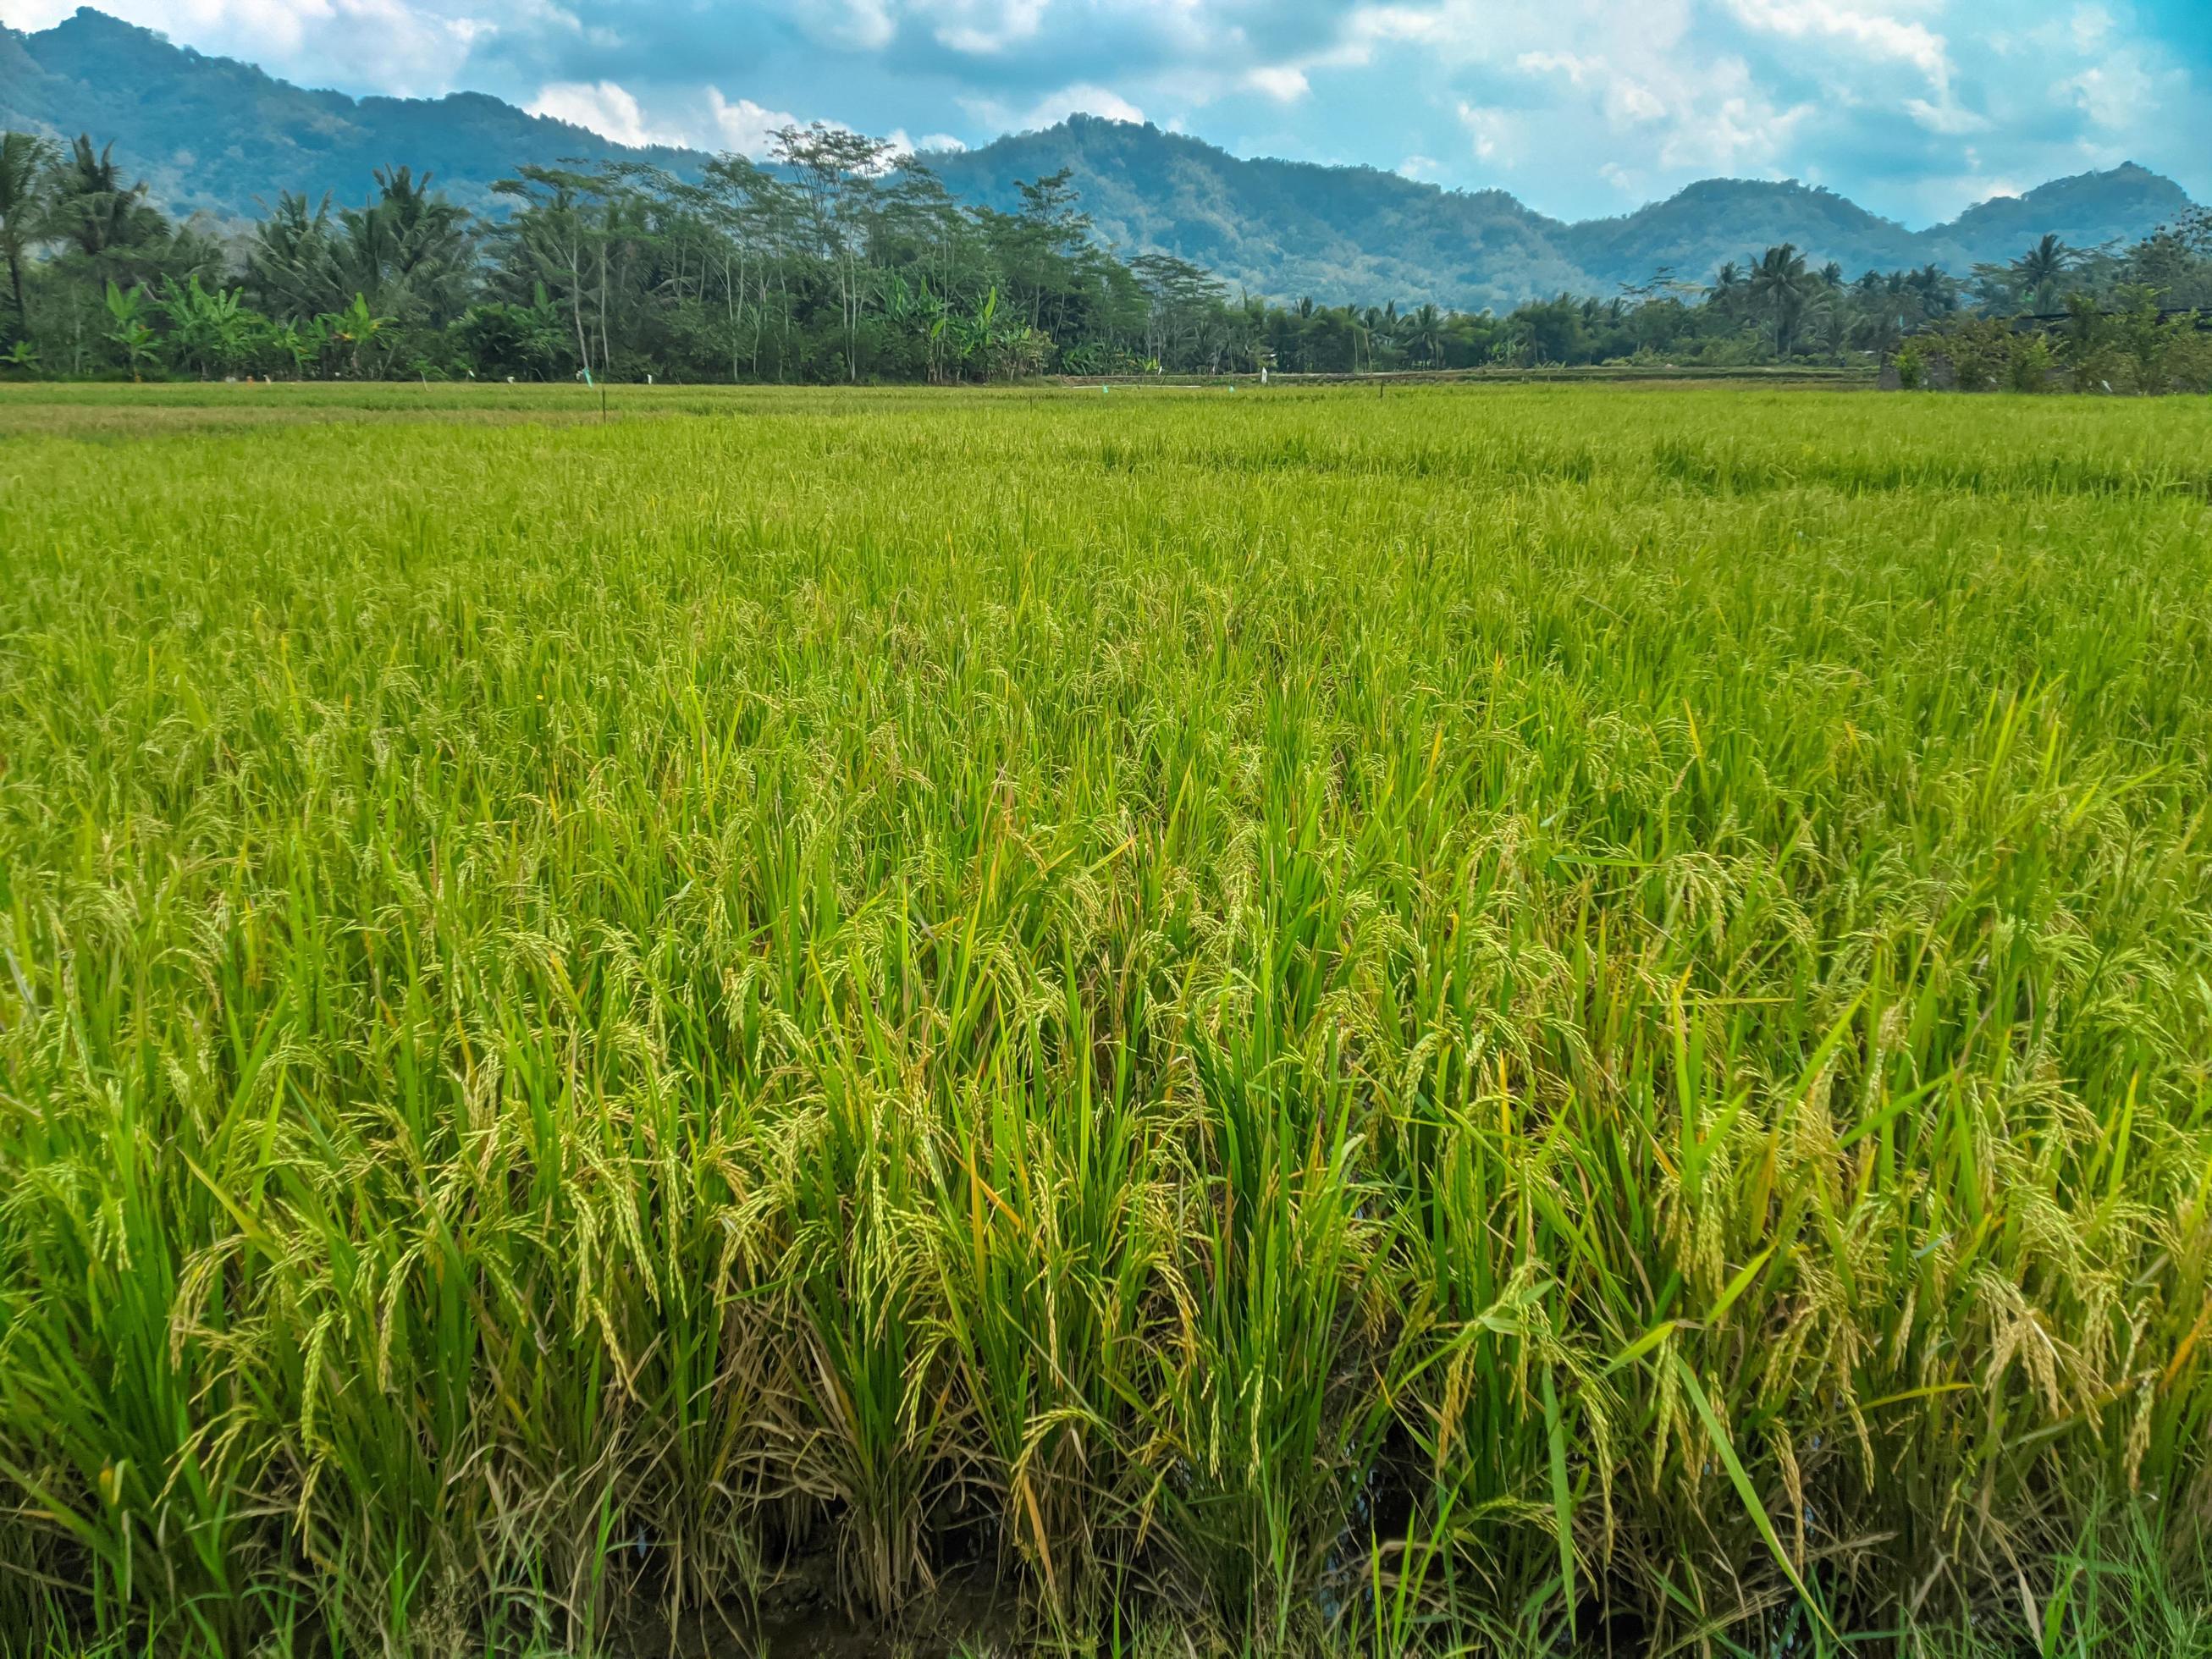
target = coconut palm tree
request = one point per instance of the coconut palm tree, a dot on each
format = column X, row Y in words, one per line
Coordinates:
column 408, row 249
column 23, row 163
column 94, row 211
column 292, row 267
column 1780, row 283
column 2037, row 270
column 1424, row 333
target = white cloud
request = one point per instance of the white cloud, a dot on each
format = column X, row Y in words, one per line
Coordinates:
column 1419, row 166
column 1283, row 83
column 1875, row 34
column 1629, row 103
column 865, row 25
column 1731, row 131
column 900, row 143
column 605, row 108
column 1594, row 69
column 2091, row 27
column 744, row 126
column 1576, row 70
column 1489, row 130
column 2114, row 94
column 1945, row 117
column 1625, row 100
column 1081, row 98
column 987, row 27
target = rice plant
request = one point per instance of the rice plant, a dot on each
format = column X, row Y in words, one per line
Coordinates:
column 1551, row 1019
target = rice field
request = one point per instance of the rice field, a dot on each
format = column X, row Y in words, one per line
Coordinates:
column 1544, row 1019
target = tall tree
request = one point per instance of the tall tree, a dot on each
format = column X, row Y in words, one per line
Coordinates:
column 838, row 173
column 408, row 251
column 24, row 161
column 98, row 215
column 550, row 237
column 1423, row 333
column 292, row 264
column 1781, row 284
column 2039, row 270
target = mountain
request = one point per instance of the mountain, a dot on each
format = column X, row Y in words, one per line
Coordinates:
column 1287, row 228
column 213, row 135
column 2084, row 211
column 1283, row 229
column 1716, row 219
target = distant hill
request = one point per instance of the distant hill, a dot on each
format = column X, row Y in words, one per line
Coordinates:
column 213, row 135
column 1284, row 229
column 1694, row 230
column 2083, row 211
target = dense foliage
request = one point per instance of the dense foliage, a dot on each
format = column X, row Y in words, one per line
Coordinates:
column 2135, row 346
column 843, row 261
column 1285, row 1020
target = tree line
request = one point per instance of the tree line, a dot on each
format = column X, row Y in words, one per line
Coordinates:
column 842, row 260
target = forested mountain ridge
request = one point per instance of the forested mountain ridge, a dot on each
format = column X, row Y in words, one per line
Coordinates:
column 2086, row 211
column 1284, row 229
column 215, row 135
column 1287, row 229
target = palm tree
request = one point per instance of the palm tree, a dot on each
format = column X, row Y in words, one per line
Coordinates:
column 292, row 264
column 1425, row 333
column 2037, row 270
column 1780, row 281
column 93, row 209
column 23, row 163
column 408, row 248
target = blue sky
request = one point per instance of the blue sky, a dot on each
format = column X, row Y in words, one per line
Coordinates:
column 1914, row 107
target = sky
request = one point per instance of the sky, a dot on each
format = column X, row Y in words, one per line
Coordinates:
column 1915, row 108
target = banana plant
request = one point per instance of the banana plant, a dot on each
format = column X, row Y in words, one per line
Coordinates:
column 128, row 331
column 914, row 310
column 303, row 342
column 21, row 358
column 972, row 337
column 354, row 328
column 207, row 328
